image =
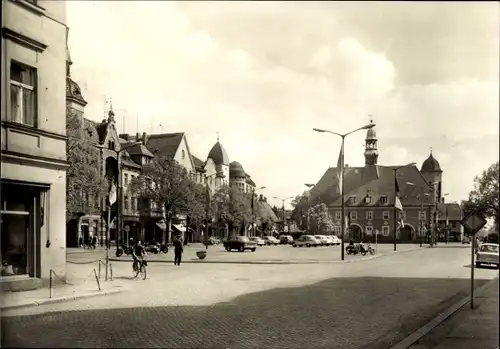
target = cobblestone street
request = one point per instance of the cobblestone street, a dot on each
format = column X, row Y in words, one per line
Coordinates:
column 371, row 304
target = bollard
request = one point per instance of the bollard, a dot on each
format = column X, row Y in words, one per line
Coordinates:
column 110, row 272
column 99, row 268
column 50, row 283
column 97, row 280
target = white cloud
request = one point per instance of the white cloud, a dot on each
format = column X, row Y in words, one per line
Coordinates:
column 187, row 79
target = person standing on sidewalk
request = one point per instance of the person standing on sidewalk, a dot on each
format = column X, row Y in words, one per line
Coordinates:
column 178, row 249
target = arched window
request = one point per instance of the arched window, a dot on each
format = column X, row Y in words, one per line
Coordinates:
column 183, row 154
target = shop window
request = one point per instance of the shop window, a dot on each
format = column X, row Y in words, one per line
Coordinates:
column 23, row 94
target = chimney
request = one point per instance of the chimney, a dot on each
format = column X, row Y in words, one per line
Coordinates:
column 346, row 165
column 144, row 137
column 261, row 197
column 442, row 200
column 137, row 136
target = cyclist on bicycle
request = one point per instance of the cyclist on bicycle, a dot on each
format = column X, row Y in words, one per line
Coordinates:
column 138, row 253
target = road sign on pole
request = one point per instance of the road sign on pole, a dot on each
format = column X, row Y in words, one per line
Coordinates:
column 472, row 222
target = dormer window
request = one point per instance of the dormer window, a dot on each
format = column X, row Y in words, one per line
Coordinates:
column 368, row 199
column 383, row 199
column 352, row 200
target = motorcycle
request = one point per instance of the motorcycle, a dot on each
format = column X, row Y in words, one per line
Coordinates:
column 124, row 248
column 164, row 248
column 153, row 247
column 351, row 249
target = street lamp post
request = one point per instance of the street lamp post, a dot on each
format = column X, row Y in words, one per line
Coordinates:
column 118, row 204
column 253, row 210
column 343, row 136
column 208, row 209
column 283, row 207
column 310, row 186
column 395, row 218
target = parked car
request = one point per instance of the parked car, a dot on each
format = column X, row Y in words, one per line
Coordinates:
column 240, row 243
column 271, row 240
column 323, row 240
column 466, row 240
column 306, row 240
column 257, row 240
column 286, row 239
column 336, row 240
column 487, row 254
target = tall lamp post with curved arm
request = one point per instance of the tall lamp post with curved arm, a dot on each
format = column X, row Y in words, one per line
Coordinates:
column 341, row 165
column 395, row 218
column 283, row 207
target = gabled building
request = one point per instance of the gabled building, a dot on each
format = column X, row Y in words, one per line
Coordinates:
column 369, row 197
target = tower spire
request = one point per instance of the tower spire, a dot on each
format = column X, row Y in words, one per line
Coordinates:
column 217, row 136
column 371, row 151
column 111, row 113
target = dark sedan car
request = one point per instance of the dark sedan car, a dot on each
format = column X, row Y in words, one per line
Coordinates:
column 240, row 243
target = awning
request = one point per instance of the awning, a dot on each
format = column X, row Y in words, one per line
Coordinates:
column 179, row 227
column 161, row 224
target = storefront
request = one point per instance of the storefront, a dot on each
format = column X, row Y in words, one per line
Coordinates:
column 21, row 220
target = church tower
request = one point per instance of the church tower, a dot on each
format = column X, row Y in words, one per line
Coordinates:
column 431, row 171
column 371, row 151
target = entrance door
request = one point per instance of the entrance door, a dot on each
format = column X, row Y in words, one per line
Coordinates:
column 405, row 234
column 355, row 232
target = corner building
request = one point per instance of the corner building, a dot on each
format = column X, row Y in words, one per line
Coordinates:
column 369, row 195
column 33, row 142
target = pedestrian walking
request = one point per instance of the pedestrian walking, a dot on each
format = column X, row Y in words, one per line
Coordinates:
column 94, row 241
column 80, row 242
column 178, row 249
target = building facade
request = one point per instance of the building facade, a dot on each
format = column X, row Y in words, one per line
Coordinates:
column 369, row 198
column 33, row 142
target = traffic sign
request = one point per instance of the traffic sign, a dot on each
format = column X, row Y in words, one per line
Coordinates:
column 473, row 222
column 127, row 228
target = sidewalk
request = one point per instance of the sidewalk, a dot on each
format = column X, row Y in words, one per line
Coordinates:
column 80, row 283
column 468, row 328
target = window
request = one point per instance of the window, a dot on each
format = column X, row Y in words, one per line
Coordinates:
column 352, row 200
column 369, row 215
column 126, row 179
column 126, row 203
column 354, row 216
column 23, row 94
column 369, row 230
column 368, row 199
column 338, row 215
column 386, row 215
column 385, row 230
column 421, row 214
column 402, row 215
column 183, row 154
column 383, row 199
column 337, row 229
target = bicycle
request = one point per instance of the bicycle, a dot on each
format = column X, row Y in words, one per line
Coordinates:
column 140, row 267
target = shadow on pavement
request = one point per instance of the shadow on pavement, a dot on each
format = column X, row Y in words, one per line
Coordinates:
column 491, row 267
column 337, row 313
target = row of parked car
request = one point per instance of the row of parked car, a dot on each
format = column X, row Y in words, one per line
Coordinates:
column 316, row 240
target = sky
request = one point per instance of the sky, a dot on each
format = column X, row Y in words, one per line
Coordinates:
column 264, row 74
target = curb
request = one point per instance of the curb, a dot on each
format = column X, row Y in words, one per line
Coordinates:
column 421, row 332
column 277, row 262
column 59, row 299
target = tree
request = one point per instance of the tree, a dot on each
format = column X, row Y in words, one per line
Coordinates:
column 320, row 219
column 484, row 196
column 85, row 184
column 232, row 206
column 300, row 208
column 167, row 183
column 196, row 205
